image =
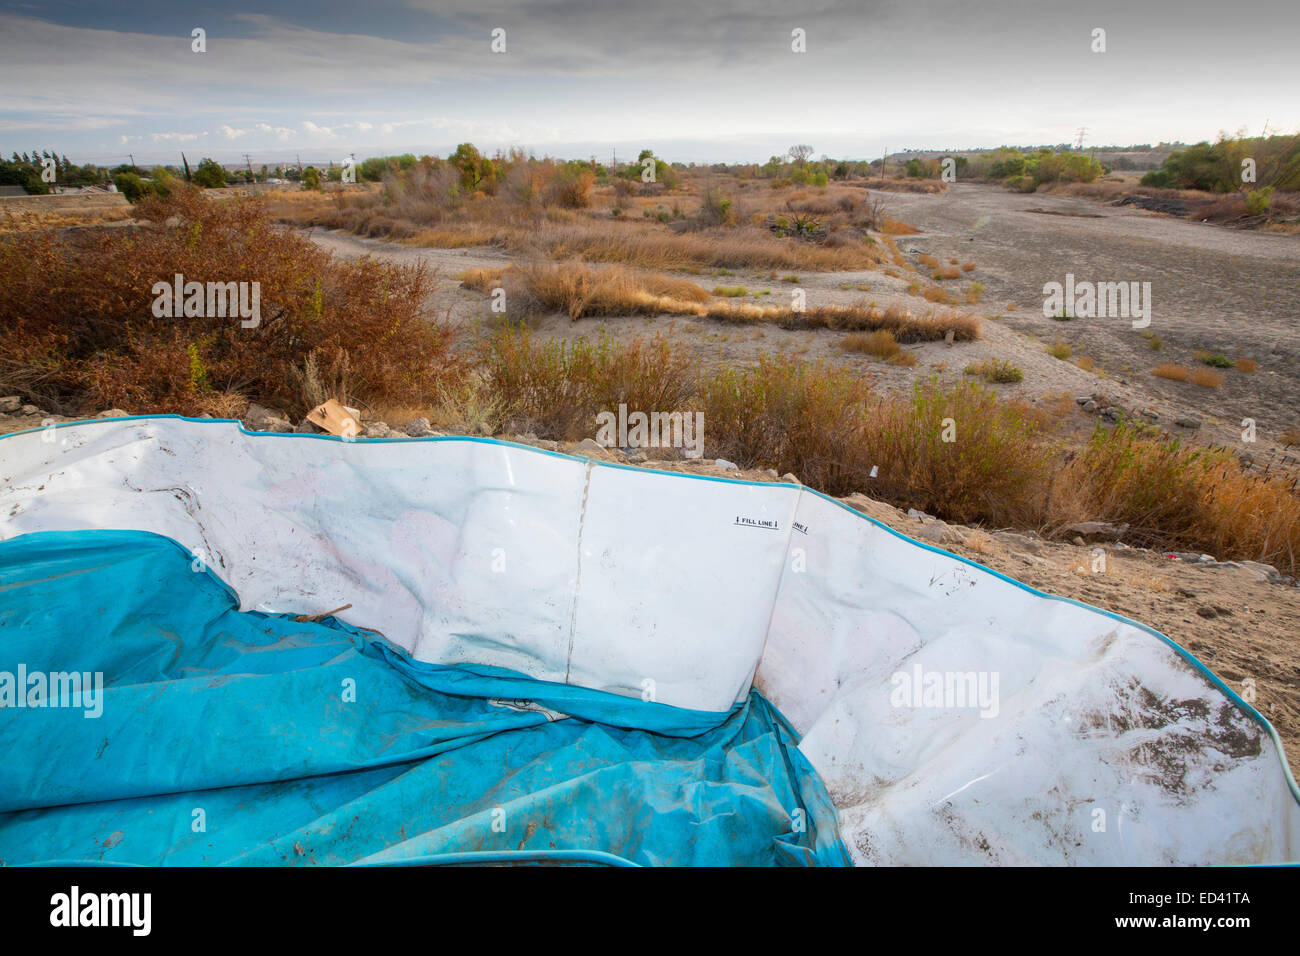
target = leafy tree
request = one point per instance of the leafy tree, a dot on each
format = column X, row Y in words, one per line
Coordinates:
column 476, row 171
column 209, row 175
column 129, row 185
column 311, row 178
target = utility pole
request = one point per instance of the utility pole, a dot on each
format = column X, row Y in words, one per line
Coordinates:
column 884, row 159
column 249, row 164
column 1078, row 142
column 133, row 166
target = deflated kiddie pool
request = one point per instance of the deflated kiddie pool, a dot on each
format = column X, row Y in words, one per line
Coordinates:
column 550, row 658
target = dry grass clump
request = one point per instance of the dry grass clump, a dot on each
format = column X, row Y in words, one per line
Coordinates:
column 79, row 308
column 582, row 291
column 929, row 261
column 1183, row 498
column 903, row 185
column 782, row 413
column 1172, row 371
column 880, row 343
column 999, row 466
column 824, row 424
column 556, row 389
column 1059, row 350
column 1246, row 365
column 968, row 267
column 894, row 227
column 1206, row 377
column 905, row 325
column 60, row 218
column 996, row 370
column 903, row 359
column 995, row 469
column 947, row 272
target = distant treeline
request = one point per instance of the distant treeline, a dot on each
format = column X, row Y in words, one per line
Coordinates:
column 25, row 169
column 1241, row 164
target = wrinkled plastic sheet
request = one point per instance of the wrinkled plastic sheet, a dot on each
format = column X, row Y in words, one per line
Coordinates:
column 228, row 737
column 1105, row 742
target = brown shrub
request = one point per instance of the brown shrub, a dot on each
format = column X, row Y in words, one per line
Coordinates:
column 80, row 308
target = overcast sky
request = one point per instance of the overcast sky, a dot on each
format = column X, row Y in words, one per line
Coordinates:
column 695, row 81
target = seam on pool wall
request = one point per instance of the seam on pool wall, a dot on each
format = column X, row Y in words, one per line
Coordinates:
column 577, row 581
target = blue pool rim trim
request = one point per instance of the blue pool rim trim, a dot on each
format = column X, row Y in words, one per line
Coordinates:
column 1187, row 655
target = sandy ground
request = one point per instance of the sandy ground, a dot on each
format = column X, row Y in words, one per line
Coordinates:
column 1212, row 288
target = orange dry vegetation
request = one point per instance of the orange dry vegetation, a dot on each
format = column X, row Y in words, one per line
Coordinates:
column 1171, row 371
column 894, row 227
column 880, row 343
column 1206, row 377
column 82, row 336
column 584, row 291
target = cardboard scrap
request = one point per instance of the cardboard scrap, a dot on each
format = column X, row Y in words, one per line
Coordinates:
column 336, row 419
